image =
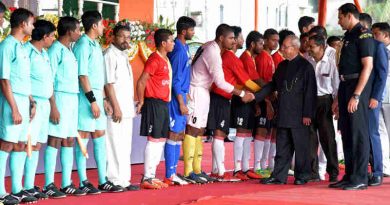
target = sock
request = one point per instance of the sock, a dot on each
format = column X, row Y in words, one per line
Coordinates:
column 197, row 163
column 3, row 165
column 148, row 155
column 271, row 158
column 30, row 169
column 81, row 162
column 258, row 151
column 238, row 151
column 50, row 164
column 67, row 165
column 214, row 166
column 177, row 155
column 99, row 151
column 247, row 154
column 16, row 159
column 189, row 144
column 264, row 157
column 219, row 153
column 169, row 155
column 158, row 154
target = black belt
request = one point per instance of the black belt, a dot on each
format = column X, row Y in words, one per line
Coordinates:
column 349, row 76
column 324, row 96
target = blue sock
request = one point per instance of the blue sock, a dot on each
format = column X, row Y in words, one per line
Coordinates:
column 50, row 164
column 99, row 151
column 177, row 154
column 67, row 165
column 169, row 155
column 16, row 159
column 30, row 169
column 3, row 165
column 81, row 162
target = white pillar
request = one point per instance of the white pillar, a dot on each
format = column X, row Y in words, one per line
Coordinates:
column 100, row 7
column 60, row 5
column 15, row 3
column 81, row 6
column 38, row 8
column 117, row 13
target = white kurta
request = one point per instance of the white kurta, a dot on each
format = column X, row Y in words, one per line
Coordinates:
column 119, row 135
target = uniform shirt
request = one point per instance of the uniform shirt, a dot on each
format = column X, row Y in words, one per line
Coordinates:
column 90, row 61
column 41, row 72
column 295, row 83
column 277, row 57
column 120, row 74
column 207, row 68
column 386, row 93
column 249, row 65
column 233, row 71
column 64, row 68
column 326, row 74
column 265, row 66
column 358, row 43
column 180, row 59
column 15, row 65
column 159, row 84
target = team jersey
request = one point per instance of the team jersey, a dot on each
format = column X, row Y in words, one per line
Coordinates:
column 159, row 84
column 249, row 65
column 180, row 59
column 265, row 66
column 277, row 57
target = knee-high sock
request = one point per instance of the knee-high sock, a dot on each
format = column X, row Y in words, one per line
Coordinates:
column 258, row 152
column 158, row 154
column 29, row 170
column 16, row 159
column 189, row 144
column 197, row 164
column 271, row 159
column 150, row 155
column 264, row 157
column 67, row 165
column 50, row 164
column 238, row 151
column 99, row 150
column 81, row 162
column 3, row 165
column 169, row 155
column 214, row 166
column 177, row 155
column 219, row 154
column 247, row 153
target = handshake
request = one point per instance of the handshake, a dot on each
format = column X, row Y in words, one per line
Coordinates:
column 246, row 96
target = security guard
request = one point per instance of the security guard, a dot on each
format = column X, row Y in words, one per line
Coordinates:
column 355, row 66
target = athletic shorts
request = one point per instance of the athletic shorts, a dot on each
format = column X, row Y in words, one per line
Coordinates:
column 261, row 120
column 199, row 106
column 177, row 121
column 40, row 124
column 9, row 131
column 68, row 106
column 86, row 121
column 243, row 114
column 155, row 118
column 219, row 114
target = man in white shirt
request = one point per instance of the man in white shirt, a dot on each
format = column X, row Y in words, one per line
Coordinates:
column 327, row 85
column 120, row 94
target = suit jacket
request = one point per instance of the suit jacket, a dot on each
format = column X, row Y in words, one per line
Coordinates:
column 379, row 72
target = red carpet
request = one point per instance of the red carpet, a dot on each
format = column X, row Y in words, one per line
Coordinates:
column 250, row 192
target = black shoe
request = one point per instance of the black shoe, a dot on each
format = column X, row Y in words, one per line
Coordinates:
column 194, row 179
column 132, row 188
column 110, row 187
column 36, row 192
column 88, row 188
column 314, row 180
column 207, row 178
column 355, row 187
column 333, row 179
column 73, row 190
column 386, row 175
column 339, row 184
column 271, row 180
column 53, row 192
column 8, row 200
column 375, row 181
column 300, row 181
column 24, row 197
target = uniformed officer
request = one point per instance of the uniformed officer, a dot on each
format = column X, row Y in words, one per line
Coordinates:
column 355, row 66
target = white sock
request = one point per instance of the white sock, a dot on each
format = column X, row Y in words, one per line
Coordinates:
column 258, row 152
column 271, row 158
column 247, row 153
column 264, row 157
column 238, row 151
column 214, row 168
column 219, row 153
column 149, row 162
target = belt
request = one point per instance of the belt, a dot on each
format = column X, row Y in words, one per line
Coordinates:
column 324, row 96
column 349, row 76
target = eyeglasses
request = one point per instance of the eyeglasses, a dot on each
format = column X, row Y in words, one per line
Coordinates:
column 285, row 47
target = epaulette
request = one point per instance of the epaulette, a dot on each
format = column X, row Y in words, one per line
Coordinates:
column 365, row 35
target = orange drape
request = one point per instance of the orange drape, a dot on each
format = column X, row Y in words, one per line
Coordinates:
column 322, row 12
column 256, row 14
column 357, row 4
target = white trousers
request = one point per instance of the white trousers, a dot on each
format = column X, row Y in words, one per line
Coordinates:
column 384, row 136
column 119, row 137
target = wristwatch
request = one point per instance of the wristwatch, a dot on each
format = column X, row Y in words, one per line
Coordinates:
column 356, row 96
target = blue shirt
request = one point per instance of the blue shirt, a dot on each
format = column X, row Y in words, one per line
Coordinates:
column 41, row 72
column 180, row 59
column 65, row 68
column 15, row 65
column 90, row 61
